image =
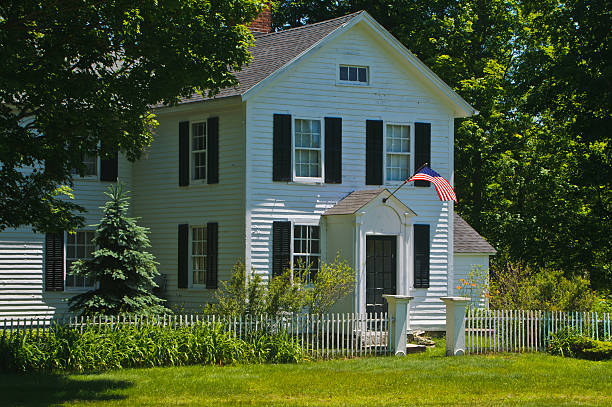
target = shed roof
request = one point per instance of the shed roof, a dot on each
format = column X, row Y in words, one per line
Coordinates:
column 467, row 240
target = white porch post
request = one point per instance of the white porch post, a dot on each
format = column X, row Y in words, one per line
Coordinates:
column 398, row 320
column 455, row 324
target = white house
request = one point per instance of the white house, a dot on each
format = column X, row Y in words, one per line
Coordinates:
column 292, row 164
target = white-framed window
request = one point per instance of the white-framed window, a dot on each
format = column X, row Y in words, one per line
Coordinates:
column 199, row 246
column 198, row 151
column 308, row 150
column 306, row 249
column 354, row 74
column 79, row 245
column 90, row 161
column 398, row 147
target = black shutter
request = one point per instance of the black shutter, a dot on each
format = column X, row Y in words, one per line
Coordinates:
column 54, row 261
column 422, row 148
column 212, row 254
column 183, row 154
column 374, row 152
column 213, row 150
column 333, row 150
column 281, row 247
column 421, row 256
column 109, row 168
column 281, row 162
column 183, row 255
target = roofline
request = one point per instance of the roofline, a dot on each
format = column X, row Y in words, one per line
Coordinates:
column 261, row 84
column 422, row 68
column 363, row 15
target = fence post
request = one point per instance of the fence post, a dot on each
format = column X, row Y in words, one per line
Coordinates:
column 398, row 320
column 455, row 324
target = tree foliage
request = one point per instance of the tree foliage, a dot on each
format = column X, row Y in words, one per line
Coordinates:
column 80, row 77
column 533, row 171
column 123, row 271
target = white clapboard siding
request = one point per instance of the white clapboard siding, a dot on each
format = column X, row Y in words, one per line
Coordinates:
column 22, row 290
column 463, row 265
column 162, row 205
column 310, row 90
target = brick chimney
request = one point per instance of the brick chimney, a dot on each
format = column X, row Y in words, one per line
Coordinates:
column 263, row 23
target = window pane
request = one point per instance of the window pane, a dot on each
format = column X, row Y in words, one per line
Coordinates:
column 344, row 73
column 362, row 75
column 352, row 73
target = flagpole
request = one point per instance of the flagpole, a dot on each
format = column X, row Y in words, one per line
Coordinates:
column 405, row 182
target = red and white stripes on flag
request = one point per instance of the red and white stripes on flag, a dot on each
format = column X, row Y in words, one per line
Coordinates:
column 443, row 188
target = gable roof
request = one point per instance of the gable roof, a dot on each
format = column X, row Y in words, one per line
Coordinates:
column 353, row 202
column 467, row 240
column 276, row 52
column 273, row 51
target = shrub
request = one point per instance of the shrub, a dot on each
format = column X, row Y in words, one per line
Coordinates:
column 332, row 282
column 517, row 286
column 568, row 342
column 63, row 348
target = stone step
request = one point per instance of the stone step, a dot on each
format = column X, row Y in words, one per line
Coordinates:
column 414, row 348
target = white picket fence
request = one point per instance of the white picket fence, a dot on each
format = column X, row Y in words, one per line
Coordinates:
column 322, row 336
column 528, row 330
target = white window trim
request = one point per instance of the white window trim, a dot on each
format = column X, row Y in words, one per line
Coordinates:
column 95, row 177
column 75, row 289
column 191, row 170
column 412, row 152
column 190, row 263
column 315, row 180
column 340, row 82
column 322, row 241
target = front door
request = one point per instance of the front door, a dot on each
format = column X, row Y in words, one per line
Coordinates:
column 381, row 272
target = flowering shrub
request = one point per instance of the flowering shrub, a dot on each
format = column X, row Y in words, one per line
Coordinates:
column 475, row 287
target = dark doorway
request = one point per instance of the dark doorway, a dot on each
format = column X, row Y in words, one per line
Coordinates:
column 381, row 274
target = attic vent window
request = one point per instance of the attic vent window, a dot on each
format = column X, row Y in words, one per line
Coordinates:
column 355, row 74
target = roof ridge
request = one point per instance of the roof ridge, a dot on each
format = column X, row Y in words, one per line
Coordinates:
column 309, row 25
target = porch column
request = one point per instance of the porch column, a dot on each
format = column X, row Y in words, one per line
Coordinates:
column 455, row 324
column 398, row 321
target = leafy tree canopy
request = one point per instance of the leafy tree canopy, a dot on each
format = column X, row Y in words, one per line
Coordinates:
column 80, row 77
column 533, row 171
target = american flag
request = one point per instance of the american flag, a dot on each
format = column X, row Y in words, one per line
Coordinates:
column 443, row 188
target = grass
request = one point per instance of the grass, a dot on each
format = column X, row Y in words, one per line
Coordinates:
column 426, row 379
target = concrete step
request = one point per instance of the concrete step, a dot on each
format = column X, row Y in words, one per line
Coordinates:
column 414, row 348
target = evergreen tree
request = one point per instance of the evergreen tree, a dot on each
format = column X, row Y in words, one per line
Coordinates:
column 121, row 268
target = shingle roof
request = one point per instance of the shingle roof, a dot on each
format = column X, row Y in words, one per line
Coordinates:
column 467, row 240
column 353, row 202
column 274, row 50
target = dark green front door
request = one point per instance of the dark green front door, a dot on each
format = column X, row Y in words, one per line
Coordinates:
column 381, row 274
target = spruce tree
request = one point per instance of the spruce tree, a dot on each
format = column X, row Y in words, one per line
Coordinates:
column 122, row 269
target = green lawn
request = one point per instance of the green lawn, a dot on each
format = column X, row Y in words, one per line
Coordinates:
column 427, row 379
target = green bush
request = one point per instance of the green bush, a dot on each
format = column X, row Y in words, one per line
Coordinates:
column 568, row 342
column 98, row 348
column 519, row 286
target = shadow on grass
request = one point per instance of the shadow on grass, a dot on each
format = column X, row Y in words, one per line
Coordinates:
column 40, row 390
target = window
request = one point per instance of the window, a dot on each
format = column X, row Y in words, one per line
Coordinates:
column 307, row 142
column 198, row 151
column 79, row 245
column 306, row 249
column 198, row 255
column 397, row 152
column 356, row 74
column 90, row 161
